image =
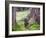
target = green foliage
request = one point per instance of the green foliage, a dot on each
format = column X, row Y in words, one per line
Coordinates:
column 34, row 26
column 21, row 27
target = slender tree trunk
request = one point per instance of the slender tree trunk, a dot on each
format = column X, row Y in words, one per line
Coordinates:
column 13, row 17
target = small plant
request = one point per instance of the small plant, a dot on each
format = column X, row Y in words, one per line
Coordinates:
column 34, row 26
